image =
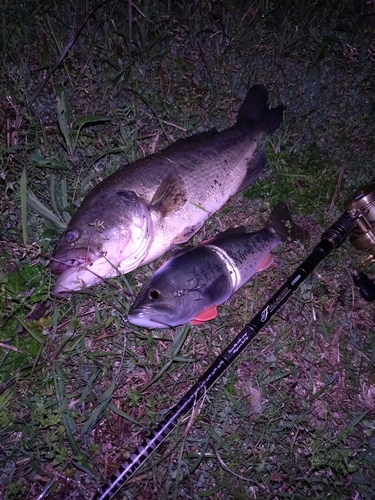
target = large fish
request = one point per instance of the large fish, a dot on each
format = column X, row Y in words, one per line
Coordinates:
column 137, row 213
column 190, row 285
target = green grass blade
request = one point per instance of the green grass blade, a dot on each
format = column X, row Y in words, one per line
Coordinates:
column 44, row 212
column 156, row 377
column 121, row 413
column 99, row 411
column 31, row 331
column 23, row 196
column 40, row 161
column 52, row 193
column 178, row 340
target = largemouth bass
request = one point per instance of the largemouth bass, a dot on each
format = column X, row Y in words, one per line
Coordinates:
column 190, row 285
column 140, row 211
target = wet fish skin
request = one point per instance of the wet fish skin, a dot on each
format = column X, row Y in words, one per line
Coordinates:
column 190, row 285
column 170, row 194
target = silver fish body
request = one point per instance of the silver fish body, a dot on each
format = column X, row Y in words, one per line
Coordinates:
column 190, row 285
column 137, row 213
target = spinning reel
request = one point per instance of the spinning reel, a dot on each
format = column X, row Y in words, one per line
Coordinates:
column 361, row 209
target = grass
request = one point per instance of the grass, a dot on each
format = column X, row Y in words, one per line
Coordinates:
column 79, row 389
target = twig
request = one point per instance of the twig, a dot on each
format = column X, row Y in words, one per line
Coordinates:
column 225, row 467
column 67, row 47
column 338, row 186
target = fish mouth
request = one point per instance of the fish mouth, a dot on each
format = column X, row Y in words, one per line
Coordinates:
column 144, row 319
column 79, row 257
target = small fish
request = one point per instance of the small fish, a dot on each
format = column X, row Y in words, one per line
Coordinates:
column 190, row 285
column 140, row 211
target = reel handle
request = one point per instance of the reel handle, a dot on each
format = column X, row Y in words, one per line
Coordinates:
column 365, row 285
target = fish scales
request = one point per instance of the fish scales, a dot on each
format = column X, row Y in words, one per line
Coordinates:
column 205, row 173
column 247, row 251
column 191, row 284
column 140, row 211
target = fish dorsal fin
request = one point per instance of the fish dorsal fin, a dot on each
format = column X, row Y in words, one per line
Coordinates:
column 233, row 230
column 266, row 262
column 281, row 223
column 206, row 315
column 254, row 169
column 191, row 140
column 180, row 251
column 170, row 195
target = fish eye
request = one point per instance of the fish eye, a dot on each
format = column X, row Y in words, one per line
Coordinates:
column 72, row 235
column 154, row 294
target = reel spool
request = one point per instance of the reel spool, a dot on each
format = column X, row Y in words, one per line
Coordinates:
column 361, row 208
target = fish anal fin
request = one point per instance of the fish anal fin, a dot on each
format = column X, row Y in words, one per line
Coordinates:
column 170, row 195
column 187, row 233
column 206, row 315
column 266, row 262
column 254, row 169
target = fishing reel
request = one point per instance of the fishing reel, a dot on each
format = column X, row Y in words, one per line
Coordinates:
column 361, row 209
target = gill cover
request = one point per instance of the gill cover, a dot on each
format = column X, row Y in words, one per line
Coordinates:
column 190, row 283
column 163, row 303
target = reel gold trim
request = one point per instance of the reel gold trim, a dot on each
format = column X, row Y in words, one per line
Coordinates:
column 361, row 208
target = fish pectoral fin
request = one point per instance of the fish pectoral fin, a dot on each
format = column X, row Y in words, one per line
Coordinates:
column 206, row 315
column 254, row 169
column 266, row 262
column 170, row 195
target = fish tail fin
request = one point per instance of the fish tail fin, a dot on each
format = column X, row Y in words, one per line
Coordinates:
column 255, row 109
column 281, row 223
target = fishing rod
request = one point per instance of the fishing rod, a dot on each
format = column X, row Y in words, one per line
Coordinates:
column 357, row 220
